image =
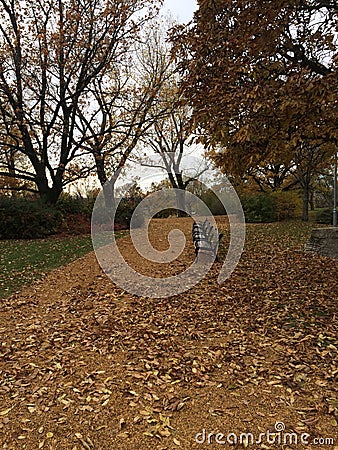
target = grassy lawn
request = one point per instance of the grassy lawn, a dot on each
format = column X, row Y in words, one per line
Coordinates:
column 272, row 237
column 23, row 261
column 279, row 235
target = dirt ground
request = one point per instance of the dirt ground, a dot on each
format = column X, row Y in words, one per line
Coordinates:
column 85, row 365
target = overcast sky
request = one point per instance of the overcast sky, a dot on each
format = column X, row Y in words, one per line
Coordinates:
column 181, row 9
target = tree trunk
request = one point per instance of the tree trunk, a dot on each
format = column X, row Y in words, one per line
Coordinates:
column 180, row 202
column 49, row 195
column 109, row 198
column 312, row 201
column 54, row 194
column 180, row 194
column 306, row 197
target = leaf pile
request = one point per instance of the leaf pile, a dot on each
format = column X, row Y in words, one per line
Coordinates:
column 87, row 365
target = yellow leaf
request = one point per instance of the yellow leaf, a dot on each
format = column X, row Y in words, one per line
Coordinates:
column 165, row 432
column 236, row 394
column 5, row 411
column 124, row 435
column 147, row 433
column 177, row 442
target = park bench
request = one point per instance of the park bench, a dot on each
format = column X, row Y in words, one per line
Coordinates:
column 205, row 237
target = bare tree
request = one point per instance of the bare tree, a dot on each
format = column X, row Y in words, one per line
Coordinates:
column 309, row 162
column 169, row 136
column 52, row 54
column 124, row 107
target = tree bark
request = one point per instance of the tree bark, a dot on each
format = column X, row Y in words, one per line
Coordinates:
column 306, row 197
column 312, row 201
column 109, row 198
column 180, row 202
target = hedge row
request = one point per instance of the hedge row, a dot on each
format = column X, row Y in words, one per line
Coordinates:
column 25, row 219
column 22, row 218
column 325, row 216
column 270, row 207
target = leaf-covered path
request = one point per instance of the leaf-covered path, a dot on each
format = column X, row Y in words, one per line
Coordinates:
column 85, row 365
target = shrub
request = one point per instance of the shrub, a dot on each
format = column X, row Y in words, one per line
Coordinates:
column 22, row 218
column 165, row 213
column 125, row 211
column 288, row 204
column 324, row 216
column 258, row 208
column 213, row 203
column 69, row 204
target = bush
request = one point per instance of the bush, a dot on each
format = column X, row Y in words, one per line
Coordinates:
column 69, row 204
column 324, row 216
column 21, row 218
column 288, row 204
column 165, row 213
column 125, row 211
column 213, row 203
column 258, row 208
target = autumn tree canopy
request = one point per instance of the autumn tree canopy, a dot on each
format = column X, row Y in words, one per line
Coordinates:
column 262, row 78
column 53, row 54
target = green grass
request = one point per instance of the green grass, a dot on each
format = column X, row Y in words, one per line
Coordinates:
column 280, row 235
column 23, row 261
column 273, row 237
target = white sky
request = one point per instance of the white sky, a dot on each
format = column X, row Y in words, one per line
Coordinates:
column 181, row 9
